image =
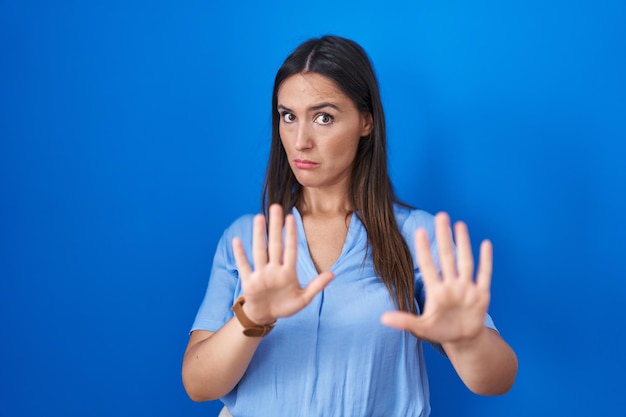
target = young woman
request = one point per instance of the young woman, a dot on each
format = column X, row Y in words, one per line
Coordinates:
column 316, row 307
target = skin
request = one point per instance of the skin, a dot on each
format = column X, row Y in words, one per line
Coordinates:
column 455, row 309
column 319, row 123
column 321, row 128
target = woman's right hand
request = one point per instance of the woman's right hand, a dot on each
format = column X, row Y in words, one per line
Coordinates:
column 272, row 290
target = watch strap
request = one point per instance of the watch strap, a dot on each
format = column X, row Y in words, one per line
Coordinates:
column 250, row 328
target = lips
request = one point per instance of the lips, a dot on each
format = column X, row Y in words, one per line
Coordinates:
column 305, row 164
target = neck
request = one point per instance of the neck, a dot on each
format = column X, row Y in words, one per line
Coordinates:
column 318, row 202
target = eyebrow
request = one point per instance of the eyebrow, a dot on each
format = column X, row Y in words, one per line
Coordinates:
column 312, row 108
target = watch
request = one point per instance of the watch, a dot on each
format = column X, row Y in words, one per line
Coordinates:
column 250, row 328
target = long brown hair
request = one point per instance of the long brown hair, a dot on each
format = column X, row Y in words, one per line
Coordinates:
column 371, row 191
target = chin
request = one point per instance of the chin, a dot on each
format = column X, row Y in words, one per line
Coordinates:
column 312, row 179
column 306, row 180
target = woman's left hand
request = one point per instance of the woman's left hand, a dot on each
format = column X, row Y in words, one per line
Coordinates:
column 456, row 303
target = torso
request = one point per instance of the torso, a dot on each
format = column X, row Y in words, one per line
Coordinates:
column 334, row 352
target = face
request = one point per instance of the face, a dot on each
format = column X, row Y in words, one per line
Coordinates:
column 320, row 128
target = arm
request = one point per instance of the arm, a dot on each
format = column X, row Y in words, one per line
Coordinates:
column 215, row 362
column 486, row 364
column 455, row 310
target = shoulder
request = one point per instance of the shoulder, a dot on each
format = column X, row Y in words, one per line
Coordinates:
column 242, row 223
column 410, row 219
column 241, row 228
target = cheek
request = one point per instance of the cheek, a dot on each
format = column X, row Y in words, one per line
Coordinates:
column 347, row 145
column 342, row 153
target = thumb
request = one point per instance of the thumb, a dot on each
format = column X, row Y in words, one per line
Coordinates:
column 317, row 284
column 404, row 321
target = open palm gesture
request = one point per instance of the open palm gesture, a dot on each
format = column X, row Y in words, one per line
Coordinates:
column 272, row 289
column 456, row 303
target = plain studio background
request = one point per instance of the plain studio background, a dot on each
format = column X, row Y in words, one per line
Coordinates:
column 132, row 133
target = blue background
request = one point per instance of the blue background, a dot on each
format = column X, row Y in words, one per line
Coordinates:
column 133, row 132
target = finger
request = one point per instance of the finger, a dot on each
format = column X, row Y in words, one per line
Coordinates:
column 485, row 265
column 275, row 238
column 259, row 248
column 404, row 321
column 443, row 234
column 291, row 242
column 465, row 259
column 241, row 259
column 425, row 260
column 316, row 285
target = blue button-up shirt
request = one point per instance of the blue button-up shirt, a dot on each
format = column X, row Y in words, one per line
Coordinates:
column 333, row 358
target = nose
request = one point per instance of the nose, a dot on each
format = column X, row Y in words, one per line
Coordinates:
column 304, row 139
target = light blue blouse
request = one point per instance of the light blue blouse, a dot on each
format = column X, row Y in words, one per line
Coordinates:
column 333, row 358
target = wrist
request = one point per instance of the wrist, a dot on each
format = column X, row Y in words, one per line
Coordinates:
column 250, row 327
column 255, row 318
column 468, row 343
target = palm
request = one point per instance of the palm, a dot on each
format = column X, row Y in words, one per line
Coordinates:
column 453, row 312
column 272, row 289
column 456, row 305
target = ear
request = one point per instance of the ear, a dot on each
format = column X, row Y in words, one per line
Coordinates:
column 367, row 123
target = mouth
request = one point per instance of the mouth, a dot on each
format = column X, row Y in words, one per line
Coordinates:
column 305, row 164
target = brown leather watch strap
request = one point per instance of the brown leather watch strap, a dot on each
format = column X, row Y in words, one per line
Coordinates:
column 250, row 328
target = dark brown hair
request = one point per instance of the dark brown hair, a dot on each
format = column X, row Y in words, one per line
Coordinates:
column 371, row 191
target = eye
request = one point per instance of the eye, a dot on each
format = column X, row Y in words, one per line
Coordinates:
column 324, row 119
column 288, row 117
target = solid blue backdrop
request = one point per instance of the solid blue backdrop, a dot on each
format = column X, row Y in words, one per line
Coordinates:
column 132, row 133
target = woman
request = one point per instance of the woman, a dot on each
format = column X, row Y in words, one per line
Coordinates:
column 313, row 288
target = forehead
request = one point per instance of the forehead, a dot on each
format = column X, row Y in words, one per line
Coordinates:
column 310, row 89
